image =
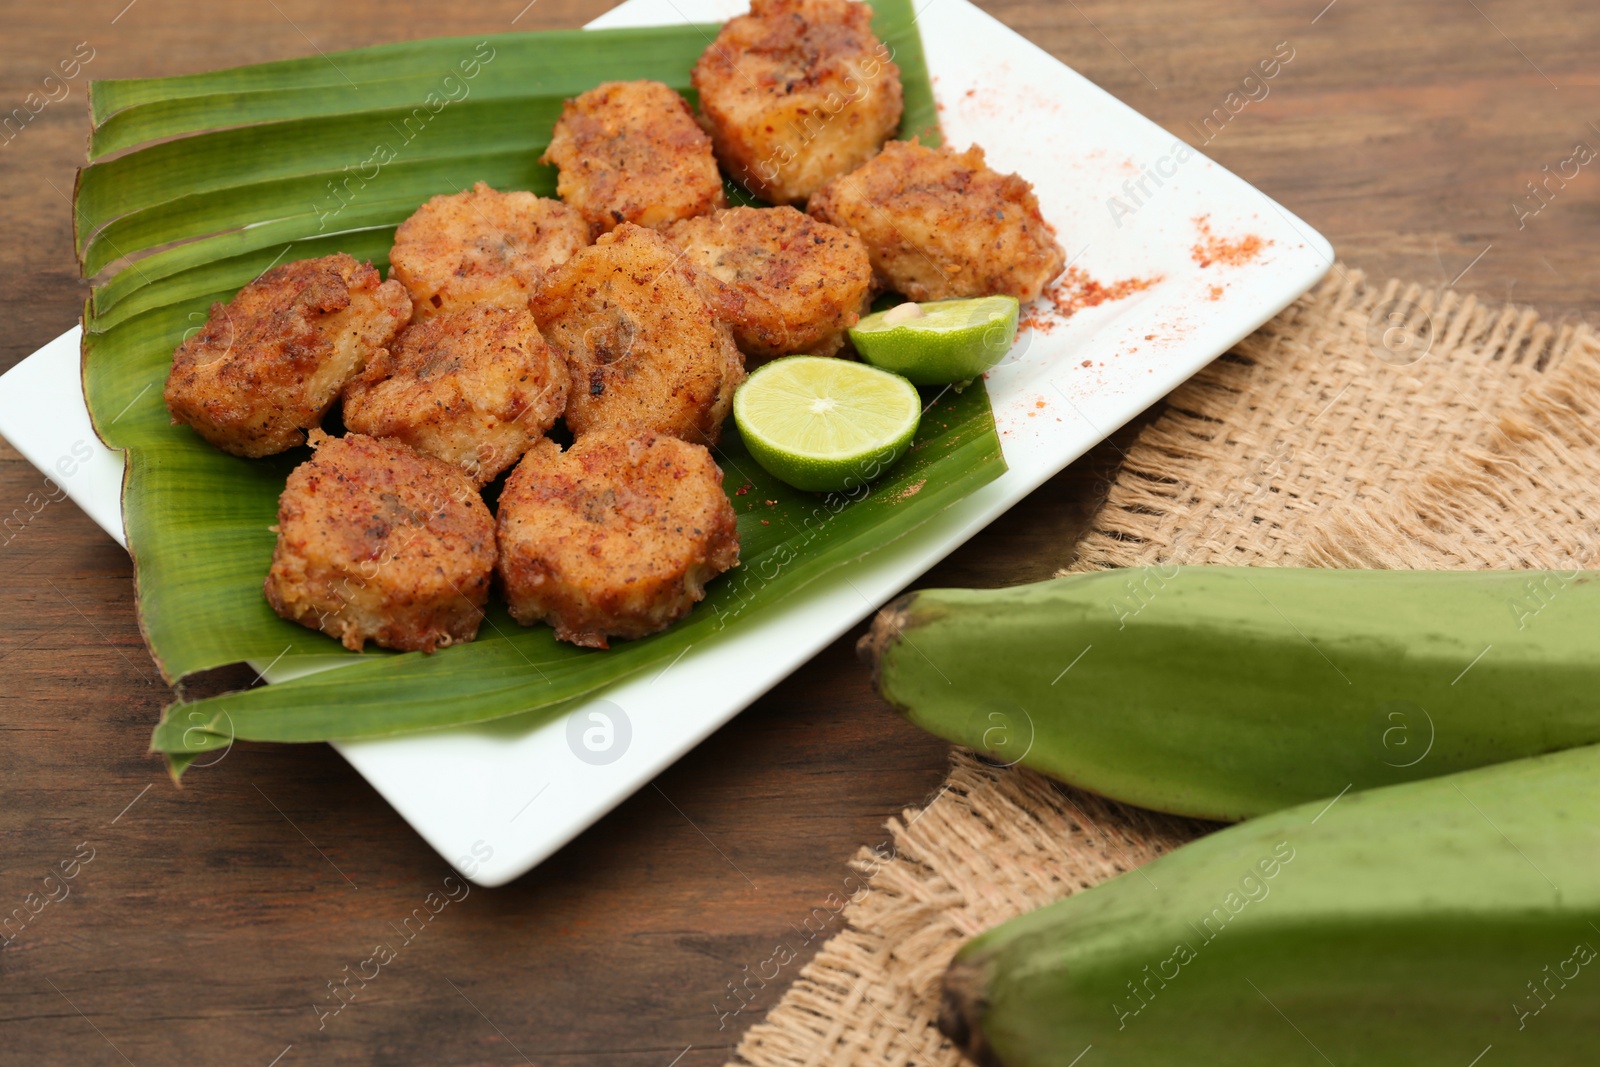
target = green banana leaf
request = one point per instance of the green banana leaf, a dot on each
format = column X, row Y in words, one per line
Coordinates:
column 198, row 184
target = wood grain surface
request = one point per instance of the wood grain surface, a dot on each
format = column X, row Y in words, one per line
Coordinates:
column 209, row 921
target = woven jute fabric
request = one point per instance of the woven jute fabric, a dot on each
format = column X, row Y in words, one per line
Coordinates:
column 1365, row 426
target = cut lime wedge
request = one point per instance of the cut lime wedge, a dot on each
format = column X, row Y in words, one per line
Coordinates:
column 826, row 425
column 941, row 342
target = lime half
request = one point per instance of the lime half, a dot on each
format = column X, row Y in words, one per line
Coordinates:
column 823, row 424
column 941, row 342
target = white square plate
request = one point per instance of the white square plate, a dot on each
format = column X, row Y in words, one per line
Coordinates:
column 495, row 801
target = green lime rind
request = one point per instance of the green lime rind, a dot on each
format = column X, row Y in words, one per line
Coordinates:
column 826, row 425
column 950, row 341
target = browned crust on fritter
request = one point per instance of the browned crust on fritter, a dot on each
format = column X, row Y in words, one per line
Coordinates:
column 939, row 223
column 804, row 282
column 796, row 93
column 646, row 338
column 268, row 364
column 480, row 246
column 616, row 537
column 632, row 152
column 379, row 543
column 474, row 386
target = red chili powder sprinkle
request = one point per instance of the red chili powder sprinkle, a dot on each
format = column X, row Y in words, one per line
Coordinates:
column 742, row 490
column 1036, row 320
column 1213, row 249
column 1075, row 290
column 1081, row 291
column 1216, row 292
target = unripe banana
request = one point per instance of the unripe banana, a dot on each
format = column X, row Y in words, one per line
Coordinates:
column 1226, row 692
column 1442, row 923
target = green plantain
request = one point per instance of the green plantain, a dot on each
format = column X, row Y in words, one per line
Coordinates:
column 1439, row 923
column 1227, row 692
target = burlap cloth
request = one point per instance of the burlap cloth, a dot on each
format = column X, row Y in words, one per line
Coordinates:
column 1362, row 427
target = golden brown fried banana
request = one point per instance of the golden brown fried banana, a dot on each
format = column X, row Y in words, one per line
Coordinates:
column 268, row 365
column 941, row 224
column 646, row 337
column 482, row 247
column 632, row 152
column 804, row 282
column 616, row 537
column 473, row 385
column 379, row 543
column 796, row 93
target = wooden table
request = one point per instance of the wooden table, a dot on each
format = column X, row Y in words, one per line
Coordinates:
column 210, row 919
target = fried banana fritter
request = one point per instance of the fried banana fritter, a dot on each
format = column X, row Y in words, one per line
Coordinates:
column 632, row 152
column 646, row 337
column 804, row 282
column 941, row 224
column 473, row 385
column 379, row 543
column 616, row 537
column 796, row 93
column 268, row 365
column 483, row 247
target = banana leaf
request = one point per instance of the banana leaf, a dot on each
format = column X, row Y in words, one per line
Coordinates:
column 197, row 184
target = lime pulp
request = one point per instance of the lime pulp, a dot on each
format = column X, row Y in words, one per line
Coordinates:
column 941, row 342
column 826, row 425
